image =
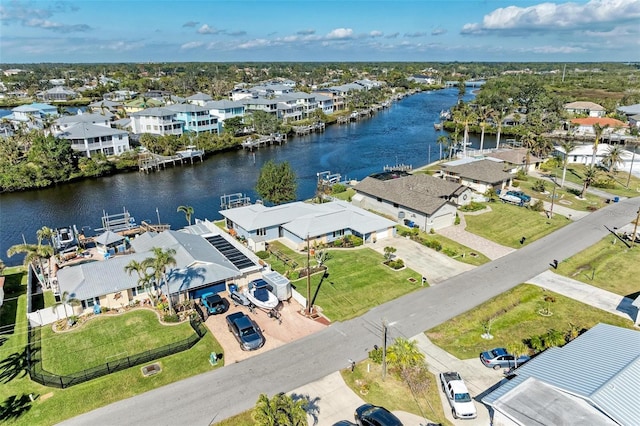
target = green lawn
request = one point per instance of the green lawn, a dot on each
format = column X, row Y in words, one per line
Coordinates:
column 516, row 318
column 357, row 282
column 564, row 196
column 575, row 173
column 54, row 405
column 507, row 223
column 610, row 266
column 107, row 338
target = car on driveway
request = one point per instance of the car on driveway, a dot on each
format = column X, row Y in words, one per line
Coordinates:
column 246, row 331
column 372, row 415
column 524, row 197
column 498, row 358
column 214, row 303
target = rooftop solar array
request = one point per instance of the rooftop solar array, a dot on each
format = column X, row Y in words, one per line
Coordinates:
column 234, row 255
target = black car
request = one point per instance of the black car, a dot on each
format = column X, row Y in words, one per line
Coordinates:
column 372, row 415
column 246, row 331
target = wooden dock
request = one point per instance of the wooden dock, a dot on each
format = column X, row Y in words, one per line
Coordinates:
column 254, row 143
column 312, row 128
column 149, row 162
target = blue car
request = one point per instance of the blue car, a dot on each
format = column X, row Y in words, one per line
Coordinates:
column 524, row 197
column 214, row 303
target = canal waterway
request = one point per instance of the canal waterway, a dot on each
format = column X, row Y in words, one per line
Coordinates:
column 401, row 134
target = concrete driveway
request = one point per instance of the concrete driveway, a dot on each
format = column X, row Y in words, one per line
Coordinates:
column 292, row 326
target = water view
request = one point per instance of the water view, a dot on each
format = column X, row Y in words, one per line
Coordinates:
column 401, row 134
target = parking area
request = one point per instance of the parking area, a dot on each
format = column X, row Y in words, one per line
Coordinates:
column 292, row 326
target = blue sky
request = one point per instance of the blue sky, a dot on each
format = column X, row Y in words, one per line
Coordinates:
column 328, row 30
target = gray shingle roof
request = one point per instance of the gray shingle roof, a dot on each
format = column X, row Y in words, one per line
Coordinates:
column 199, row 97
column 601, row 366
column 186, row 108
column 482, row 170
column 514, row 156
column 85, row 118
column 223, row 104
column 418, row 192
column 87, row 130
column 154, row 112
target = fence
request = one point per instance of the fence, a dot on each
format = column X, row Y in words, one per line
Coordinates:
column 38, row 374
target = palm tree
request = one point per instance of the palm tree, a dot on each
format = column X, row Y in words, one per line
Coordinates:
column 590, row 175
column 265, row 411
column 517, row 349
column 45, row 233
column 567, row 146
column 554, row 338
column 158, row 263
column 597, row 129
column 613, row 158
column 485, row 113
column 144, row 277
column 498, row 116
column 65, row 300
column 465, row 115
column 188, row 212
column 281, row 410
column 442, row 141
column 404, row 353
column 34, row 253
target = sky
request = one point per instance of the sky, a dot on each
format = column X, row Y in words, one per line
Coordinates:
column 89, row 31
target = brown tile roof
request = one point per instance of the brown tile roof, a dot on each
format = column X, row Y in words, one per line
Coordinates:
column 419, row 192
column 487, row 171
column 515, row 156
column 603, row 121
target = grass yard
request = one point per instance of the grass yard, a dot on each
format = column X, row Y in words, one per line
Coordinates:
column 564, row 196
column 54, row 405
column 357, row 282
column 612, row 267
column 107, row 338
column 515, row 318
column 575, row 173
column 242, row 419
column 506, row 223
column 394, row 394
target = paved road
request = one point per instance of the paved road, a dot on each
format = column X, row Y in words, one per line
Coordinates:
column 230, row 390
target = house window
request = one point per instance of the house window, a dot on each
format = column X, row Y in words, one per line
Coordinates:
column 90, row 303
column 378, row 199
column 395, row 205
column 261, row 232
column 339, row 233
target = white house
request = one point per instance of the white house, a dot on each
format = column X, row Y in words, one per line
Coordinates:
column 585, row 108
column 90, row 139
column 479, row 175
column 199, row 99
column 584, row 126
column 157, row 121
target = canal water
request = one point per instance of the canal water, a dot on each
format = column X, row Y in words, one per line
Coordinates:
column 401, row 134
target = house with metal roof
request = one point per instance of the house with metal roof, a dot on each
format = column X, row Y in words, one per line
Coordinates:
column 479, row 175
column 516, row 159
column 199, row 99
column 58, row 93
column 158, row 121
column 90, row 139
column 31, row 115
column 196, row 118
column 299, row 222
column 206, row 260
column 100, row 119
column 419, row 200
column 592, row 380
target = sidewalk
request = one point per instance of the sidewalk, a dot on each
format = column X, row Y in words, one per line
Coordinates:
column 588, row 294
column 459, row 234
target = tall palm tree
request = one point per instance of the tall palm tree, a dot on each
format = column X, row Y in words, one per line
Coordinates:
column 465, row 115
column 159, row 263
column 45, row 233
column 65, row 300
column 34, row 253
column 567, row 146
column 281, row 410
column 598, row 130
column 404, row 353
column 484, row 114
column 144, row 277
column 188, row 212
column 265, row 412
column 498, row 116
column 442, row 141
column 517, row 349
column 613, row 158
column 590, row 175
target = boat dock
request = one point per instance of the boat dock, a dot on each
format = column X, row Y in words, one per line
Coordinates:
column 312, row 128
column 252, row 143
column 149, row 162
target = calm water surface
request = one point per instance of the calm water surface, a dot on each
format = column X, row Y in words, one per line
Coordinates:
column 402, row 134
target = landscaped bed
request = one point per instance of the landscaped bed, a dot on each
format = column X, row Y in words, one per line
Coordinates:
column 358, row 280
column 515, row 317
column 608, row 264
column 107, row 338
column 506, row 224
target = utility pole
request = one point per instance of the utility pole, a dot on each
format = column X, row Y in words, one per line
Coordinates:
column 553, row 196
column 384, row 349
column 633, row 157
column 308, row 278
column 635, row 228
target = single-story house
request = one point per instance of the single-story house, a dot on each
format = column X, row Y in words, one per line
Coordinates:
column 629, row 110
column 584, row 126
column 591, row 380
column 516, row 159
column 428, row 202
column 299, row 222
column 587, row 108
column 583, row 154
column 58, row 93
column 479, row 175
column 206, row 260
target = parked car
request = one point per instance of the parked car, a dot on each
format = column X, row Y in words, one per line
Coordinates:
column 524, row 197
column 372, row 415
column 498, row 358
column 214, row 303
column 462, row 406
column 344, row 423
column 246, row 331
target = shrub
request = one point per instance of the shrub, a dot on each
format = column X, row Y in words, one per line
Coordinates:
column 515, row 184
column 171, row 318
column 396, row 264
column 450, row 252
column 337, row 188
column 456, row 220
column 537, row 206
column 263, row 254
column 539, row 186
column 433, row 244
column 472, row 207
column 604, row 183
column 375, row 355
column 521, row 175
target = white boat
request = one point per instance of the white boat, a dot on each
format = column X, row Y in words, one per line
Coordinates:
column 190, row 151
column 258, row 292
column 65, row 238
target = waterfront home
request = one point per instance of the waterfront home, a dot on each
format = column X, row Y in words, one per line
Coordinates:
column 270, row 90
column 589, row 109
column 583, row 154
column 584, row 126
column 325, row 103
column 196, row 118
column 260, row 104
column 158, row 121
column 207, row 259
column 58, row 93
column 516, row 159
column 64, row 122
column 572, row 385
column 31, row 116
column 198, row 99
column 141, row 103
column 298, row 222
column 337, row 101
column 418, row 200
column 479, row 175
column 224, row 109
column 103, row 106
column 90, row 139
column 120, row 95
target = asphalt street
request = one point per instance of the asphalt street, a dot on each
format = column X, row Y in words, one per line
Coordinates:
column 213, row 396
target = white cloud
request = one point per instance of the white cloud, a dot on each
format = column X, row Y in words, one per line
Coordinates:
column 340, row 33
column 595, row 14
column 206, row 29
column 376, row 33
column 191, row 45
column 438, row 31
column 259, row 42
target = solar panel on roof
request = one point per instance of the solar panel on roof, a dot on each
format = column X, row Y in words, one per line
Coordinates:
column 227, row 249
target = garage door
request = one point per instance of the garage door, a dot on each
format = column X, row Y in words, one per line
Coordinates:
column 443, row 221
column 381, row 235
column 213, row 288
